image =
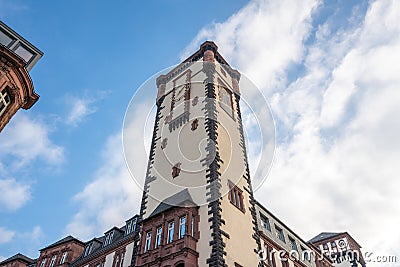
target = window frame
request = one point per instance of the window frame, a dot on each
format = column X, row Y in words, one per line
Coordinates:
column 293, row 244
column 170, row 232
column 158, row 237
column 43, row 263
column 147, row 242
column 182, row 227
column 280, row 234
column 53, row 261
column 63, row 257
column 5, row 100
column 236, row 196
column 223, row 88
column 265, row 221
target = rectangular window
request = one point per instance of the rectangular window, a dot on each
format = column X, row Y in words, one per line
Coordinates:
column 147, row 245
column 265, row 222
column 116, row 261
column 293, row 244
column 279, row 234
column 192, row 226
column 109, row 238
column 88, row 249
column 53, row 261
column 158, row 236
column 225, row 100
column 23, row 52
column 122, row 259
column 128, row 227
column 170, row 237
column 43, row 263
column 63, row 257
column 305, row 254
column 236, row 196
column 182, row 226
column 4, row 100
column 134, row 225
column 5, row 39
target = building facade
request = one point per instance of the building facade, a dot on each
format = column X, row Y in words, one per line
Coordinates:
column 17, row 57
column 198, row 207
column 340, row 247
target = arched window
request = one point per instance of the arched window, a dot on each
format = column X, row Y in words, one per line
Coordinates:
column 181, row 264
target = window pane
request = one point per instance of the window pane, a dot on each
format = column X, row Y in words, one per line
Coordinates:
column 170, row 232
column 5, row 39
column 158, row 236
column 182, row 226
column 24, row 53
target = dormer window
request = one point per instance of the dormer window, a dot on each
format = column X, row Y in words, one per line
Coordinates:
column 109, row 238
column 129, row 227
column 88, row 249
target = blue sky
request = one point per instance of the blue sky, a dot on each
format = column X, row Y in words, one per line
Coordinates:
column 327, row 68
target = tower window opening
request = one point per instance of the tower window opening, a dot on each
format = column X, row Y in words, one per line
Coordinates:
column 195, row 124
column 176, row 170
column 236, row 196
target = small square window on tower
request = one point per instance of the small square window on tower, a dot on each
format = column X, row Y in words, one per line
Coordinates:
column 195, row 101
column 176, row 170
column 195, row 124
column 164, row 143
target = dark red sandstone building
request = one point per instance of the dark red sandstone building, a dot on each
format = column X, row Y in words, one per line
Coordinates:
column 17, row 57
column 231, row 229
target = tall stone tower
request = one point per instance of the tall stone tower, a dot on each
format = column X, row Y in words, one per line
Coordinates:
column 198, row 207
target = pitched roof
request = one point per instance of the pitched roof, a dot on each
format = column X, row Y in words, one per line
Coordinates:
column 62, row 241
column 18, row 256
column 179, row 199
column 323, row 236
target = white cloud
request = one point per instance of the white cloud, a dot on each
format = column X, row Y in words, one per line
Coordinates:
column 35, row 236
column 13, row 194
column 273, row 30
column 25, row 139
column 113, row 195
column 337, row 124
column 6, row 236
column 110, row 199
column 81, row 107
